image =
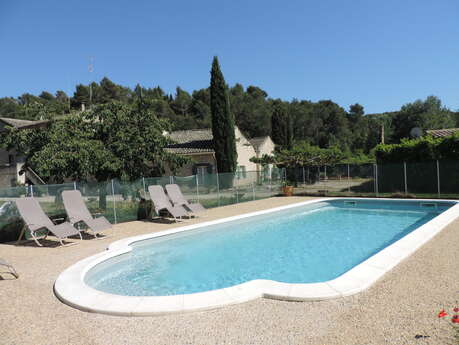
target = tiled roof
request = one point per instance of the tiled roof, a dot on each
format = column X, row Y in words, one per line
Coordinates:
column 439, row 133
column 191, row 141
column 256, row 142
column 18, row 123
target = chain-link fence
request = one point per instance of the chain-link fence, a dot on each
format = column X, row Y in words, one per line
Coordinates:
column 432, row 179
column 122, row 201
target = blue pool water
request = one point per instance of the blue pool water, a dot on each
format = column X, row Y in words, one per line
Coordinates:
column 305, row 244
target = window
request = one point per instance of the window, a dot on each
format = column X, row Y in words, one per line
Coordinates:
column 241, row 172
column 202, row 170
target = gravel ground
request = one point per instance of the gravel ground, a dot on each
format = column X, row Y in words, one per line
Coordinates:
column 399, row 307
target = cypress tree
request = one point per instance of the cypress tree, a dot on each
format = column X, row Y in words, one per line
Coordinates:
column 222, row 121
column 281, row 128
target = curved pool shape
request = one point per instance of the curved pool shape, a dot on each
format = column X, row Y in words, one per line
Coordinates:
column 311, row 250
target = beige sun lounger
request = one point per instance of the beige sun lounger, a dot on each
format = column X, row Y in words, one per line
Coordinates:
column 10, row 267
column 35, row 219
column 177, row 198
column 161, row 202
column 78, row 212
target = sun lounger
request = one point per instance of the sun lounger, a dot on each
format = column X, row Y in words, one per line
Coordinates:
column 177, row 198
column 35, row 220
column 10, row 267
column 78, row 212
column 161, row 202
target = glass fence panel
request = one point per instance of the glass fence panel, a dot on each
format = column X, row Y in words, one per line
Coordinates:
column 126, row 199
column 227, row 189
column 189, row 187
column 362, row 179
column 449, row 179
column 207, row 190
column 97, row 197
column 10, row 221
column 149, row 181
column 50, row 198
column 122, row 201
column 421, row 179
column 245, row 184
column 335, row 179
column 391, row 179
column 262, row 187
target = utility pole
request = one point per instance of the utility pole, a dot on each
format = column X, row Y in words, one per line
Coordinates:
column 382, row 133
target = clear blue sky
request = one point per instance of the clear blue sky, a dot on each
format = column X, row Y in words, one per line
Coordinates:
column 381, row 54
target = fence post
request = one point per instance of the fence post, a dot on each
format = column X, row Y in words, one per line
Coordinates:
column 253, row 191
column 375, row 175
column 218, row 188
column 438, row 178
column 114, row 202
column 404, row 175
column 304, row 179
column 237, row 194
column 270, row 184
column 144, row 186
column 31, row 190
column 74, row 185
column 348, row 180
column 197, row 186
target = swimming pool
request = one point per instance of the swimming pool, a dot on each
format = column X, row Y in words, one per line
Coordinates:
column 312, row 250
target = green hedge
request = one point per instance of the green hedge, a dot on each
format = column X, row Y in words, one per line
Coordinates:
column 419, row 150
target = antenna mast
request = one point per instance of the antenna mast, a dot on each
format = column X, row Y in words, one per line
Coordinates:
column 91, row 70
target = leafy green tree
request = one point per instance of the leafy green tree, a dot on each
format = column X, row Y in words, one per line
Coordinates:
column 334, row 130
column 427, row 114
column 9, row 107
column 222, row 121
column 80, row 96
column 134, row 134
column 108, row 91
column 113, row 140
column 251, row 109
column 305, row 125
column 181, row 102
column 302, row 154
column 46, row 96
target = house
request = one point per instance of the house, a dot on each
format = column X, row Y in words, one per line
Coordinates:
column 198, row 145
column 11, row 164
column 440, row 133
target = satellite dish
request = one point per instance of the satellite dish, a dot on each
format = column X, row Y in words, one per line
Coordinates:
column 416, row 132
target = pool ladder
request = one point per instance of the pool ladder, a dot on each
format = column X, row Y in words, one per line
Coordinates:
column 350, row 203
column 428, row 205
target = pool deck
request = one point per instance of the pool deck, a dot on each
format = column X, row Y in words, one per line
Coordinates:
column 403, row 304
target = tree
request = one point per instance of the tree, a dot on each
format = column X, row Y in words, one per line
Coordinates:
column 222, row 121
column 302, row 154
column 251, row 110
column 112, row 140
column 358, row 126
column 80, row 96
column 9, row 107
column 281, row 128
column 334, row 130
column 427, row 114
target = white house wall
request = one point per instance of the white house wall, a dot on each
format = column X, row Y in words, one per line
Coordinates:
column 245, row 151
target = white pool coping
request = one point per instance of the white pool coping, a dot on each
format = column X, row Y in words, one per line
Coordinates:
column 71, row 289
